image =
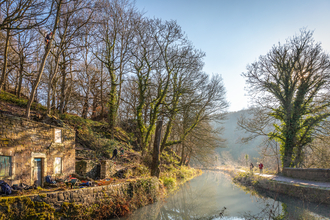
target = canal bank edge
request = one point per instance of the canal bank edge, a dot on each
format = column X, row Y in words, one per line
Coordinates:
column 87, row 203
column 306, row 193
column 114, row 200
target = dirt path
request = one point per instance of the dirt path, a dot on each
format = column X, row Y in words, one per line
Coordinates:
column 294, row 181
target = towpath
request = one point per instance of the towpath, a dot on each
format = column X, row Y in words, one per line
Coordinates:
column 308, row 183
column 294, row 181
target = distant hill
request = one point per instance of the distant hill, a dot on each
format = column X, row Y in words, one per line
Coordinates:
column 232, row 135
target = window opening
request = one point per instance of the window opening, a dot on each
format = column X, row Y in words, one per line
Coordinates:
column 5, row 165
column 58, row 136
column 58, row 165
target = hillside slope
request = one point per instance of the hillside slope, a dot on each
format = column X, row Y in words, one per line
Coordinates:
column 233, row 135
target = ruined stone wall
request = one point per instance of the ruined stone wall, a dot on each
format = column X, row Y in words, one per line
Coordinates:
column 25, row 140
column 322, row 175
column 88, row 168
column 107, row 169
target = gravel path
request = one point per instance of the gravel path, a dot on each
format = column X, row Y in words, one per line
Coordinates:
column 294, row 181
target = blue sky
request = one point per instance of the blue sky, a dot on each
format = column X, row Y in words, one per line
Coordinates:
column 234, row 33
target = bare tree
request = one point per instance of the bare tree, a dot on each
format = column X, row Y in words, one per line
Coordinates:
column 70, row 25
column 291, row 83
column 207, row 104
column 19, row 15
column 23, row 14
column 24, row 48
column 115, row 34
column 43, row 62
column 157, row 49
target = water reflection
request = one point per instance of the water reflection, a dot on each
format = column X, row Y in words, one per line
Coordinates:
column 213, row 196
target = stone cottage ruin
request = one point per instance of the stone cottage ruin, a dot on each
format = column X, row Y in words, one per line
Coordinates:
column 30, row 151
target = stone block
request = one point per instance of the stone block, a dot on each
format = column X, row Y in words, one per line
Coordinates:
column 60, row 197
column 74, row 195
column 322, row 175
column 51, row 195
column 66, row 195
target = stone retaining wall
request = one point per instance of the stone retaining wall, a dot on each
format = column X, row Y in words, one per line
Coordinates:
column 305, row 193
column 81, row 196
column 88, row 196
column 310, row 194
column 322, row 175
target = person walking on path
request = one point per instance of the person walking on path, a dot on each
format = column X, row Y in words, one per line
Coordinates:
column 260, row 167
column 114, row 153
column 251, row 167
column 122, row 151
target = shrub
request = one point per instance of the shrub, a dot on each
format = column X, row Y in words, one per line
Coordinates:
column 169, row 182
column 142, row 170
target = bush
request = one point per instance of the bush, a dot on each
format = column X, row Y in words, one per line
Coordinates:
column 184, row 172
column 169, row 182
column 141, row 170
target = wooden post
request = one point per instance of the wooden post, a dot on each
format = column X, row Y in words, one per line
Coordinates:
column 156, row 157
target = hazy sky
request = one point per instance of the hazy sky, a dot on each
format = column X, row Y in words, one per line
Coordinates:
column 235, row 33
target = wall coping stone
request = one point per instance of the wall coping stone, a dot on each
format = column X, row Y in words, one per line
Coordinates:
column 307, row 169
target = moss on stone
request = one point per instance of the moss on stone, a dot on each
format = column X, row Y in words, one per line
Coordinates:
column 114, row 200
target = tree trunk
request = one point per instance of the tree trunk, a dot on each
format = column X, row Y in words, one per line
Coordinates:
column 52, row 77
column 43, row 62
column 287, row 158
column 36, row 83
column 94, row 105
column 156, row 153
column 86, row 104
column 48, row 95
column 298, row 158
column 85, row 108
column 5, row 61
column 102, row 104
column 16, row 82
column 69, row 92
column 49, row 90
column 53, row 97
column 189, row 157
column 167, row 133
column 63, row 85
column 67, row 97
column 113, row 103
column 20, row 80
column 182, row 154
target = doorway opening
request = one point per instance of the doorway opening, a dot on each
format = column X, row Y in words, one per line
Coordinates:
column 38, row 171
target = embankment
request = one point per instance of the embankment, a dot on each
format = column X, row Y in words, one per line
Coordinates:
column 87, row 203
column 305, row 193
column 102, row 202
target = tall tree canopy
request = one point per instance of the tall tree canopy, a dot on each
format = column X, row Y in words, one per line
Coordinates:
column 291, row 84
column 106, row 61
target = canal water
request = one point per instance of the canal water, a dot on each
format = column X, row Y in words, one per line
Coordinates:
column 213, row 196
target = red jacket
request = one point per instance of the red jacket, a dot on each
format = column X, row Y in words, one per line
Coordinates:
column 261, row 166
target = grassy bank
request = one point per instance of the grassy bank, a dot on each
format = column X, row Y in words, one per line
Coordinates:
column 177, row 176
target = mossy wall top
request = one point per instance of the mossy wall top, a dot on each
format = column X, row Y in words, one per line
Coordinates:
column 23, row 140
